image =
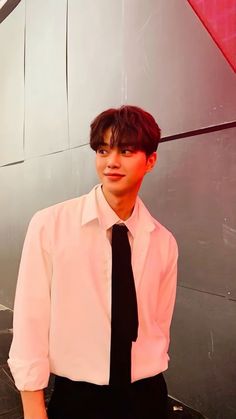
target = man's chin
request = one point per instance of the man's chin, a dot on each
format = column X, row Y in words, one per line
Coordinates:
column 118, row 192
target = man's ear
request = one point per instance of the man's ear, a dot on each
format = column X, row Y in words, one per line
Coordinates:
column 151, row 161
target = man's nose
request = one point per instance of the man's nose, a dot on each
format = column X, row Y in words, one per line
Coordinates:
column 114, row 159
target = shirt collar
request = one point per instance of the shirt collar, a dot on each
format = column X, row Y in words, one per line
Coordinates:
column 107, row 217
column 96, row 207
column 89, row 212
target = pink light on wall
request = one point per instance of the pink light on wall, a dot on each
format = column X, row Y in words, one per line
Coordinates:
column 219, row 18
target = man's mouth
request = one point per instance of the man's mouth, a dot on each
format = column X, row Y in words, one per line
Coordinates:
column 114, row 175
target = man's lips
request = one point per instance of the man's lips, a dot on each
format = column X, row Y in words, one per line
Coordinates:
column 114, row 175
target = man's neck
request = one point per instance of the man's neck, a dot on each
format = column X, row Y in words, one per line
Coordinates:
column 122, row 205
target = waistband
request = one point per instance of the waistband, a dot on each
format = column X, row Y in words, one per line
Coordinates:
column 67, row 382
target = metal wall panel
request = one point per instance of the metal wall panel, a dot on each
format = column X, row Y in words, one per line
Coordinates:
column 94, row 62
column 12, row 86
column 46, row 124
column 28, row 187
column 202, row 370
column 193, row 192
column 12, row 219
column 173, row 68
column 83, row 169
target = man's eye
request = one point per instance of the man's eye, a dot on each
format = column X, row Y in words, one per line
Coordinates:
column 102, row 151
column 127, row 151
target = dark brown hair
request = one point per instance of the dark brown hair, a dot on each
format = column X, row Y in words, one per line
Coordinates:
column 130, row 126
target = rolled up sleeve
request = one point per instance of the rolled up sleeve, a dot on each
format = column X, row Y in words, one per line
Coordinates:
column 28, row 357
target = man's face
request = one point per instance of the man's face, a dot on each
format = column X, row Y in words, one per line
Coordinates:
column 121, row 170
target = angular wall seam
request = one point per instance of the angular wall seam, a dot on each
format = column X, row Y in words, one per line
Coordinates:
column 199, row 131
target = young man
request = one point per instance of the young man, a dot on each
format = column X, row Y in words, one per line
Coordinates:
column 96, row 289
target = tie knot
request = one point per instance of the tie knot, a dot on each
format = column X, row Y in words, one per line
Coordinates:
column 119, row 228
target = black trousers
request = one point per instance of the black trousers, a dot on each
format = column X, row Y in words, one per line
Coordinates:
column 143, row 399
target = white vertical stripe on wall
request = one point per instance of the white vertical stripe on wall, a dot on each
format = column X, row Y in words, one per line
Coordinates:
column 94, row 62
column 12, row 86
column 46, row 125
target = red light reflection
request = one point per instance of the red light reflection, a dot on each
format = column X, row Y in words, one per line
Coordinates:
column 219, row 18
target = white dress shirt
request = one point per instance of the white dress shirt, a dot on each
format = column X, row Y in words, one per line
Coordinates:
column 62, row 313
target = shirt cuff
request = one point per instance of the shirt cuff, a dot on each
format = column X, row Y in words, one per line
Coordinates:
column 30, row 376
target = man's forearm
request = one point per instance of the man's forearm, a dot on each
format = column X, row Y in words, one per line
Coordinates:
column 34, row 404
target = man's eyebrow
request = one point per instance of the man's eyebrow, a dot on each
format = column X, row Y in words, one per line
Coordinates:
column 102, row 144
column 119, row 145
column 123, row 144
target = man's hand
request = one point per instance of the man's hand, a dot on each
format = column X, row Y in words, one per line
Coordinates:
column 34, row 404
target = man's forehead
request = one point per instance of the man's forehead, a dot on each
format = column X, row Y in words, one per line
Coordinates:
column 113, row 138
column 118, row 143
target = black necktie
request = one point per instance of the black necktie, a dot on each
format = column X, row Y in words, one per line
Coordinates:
column 124, row 311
